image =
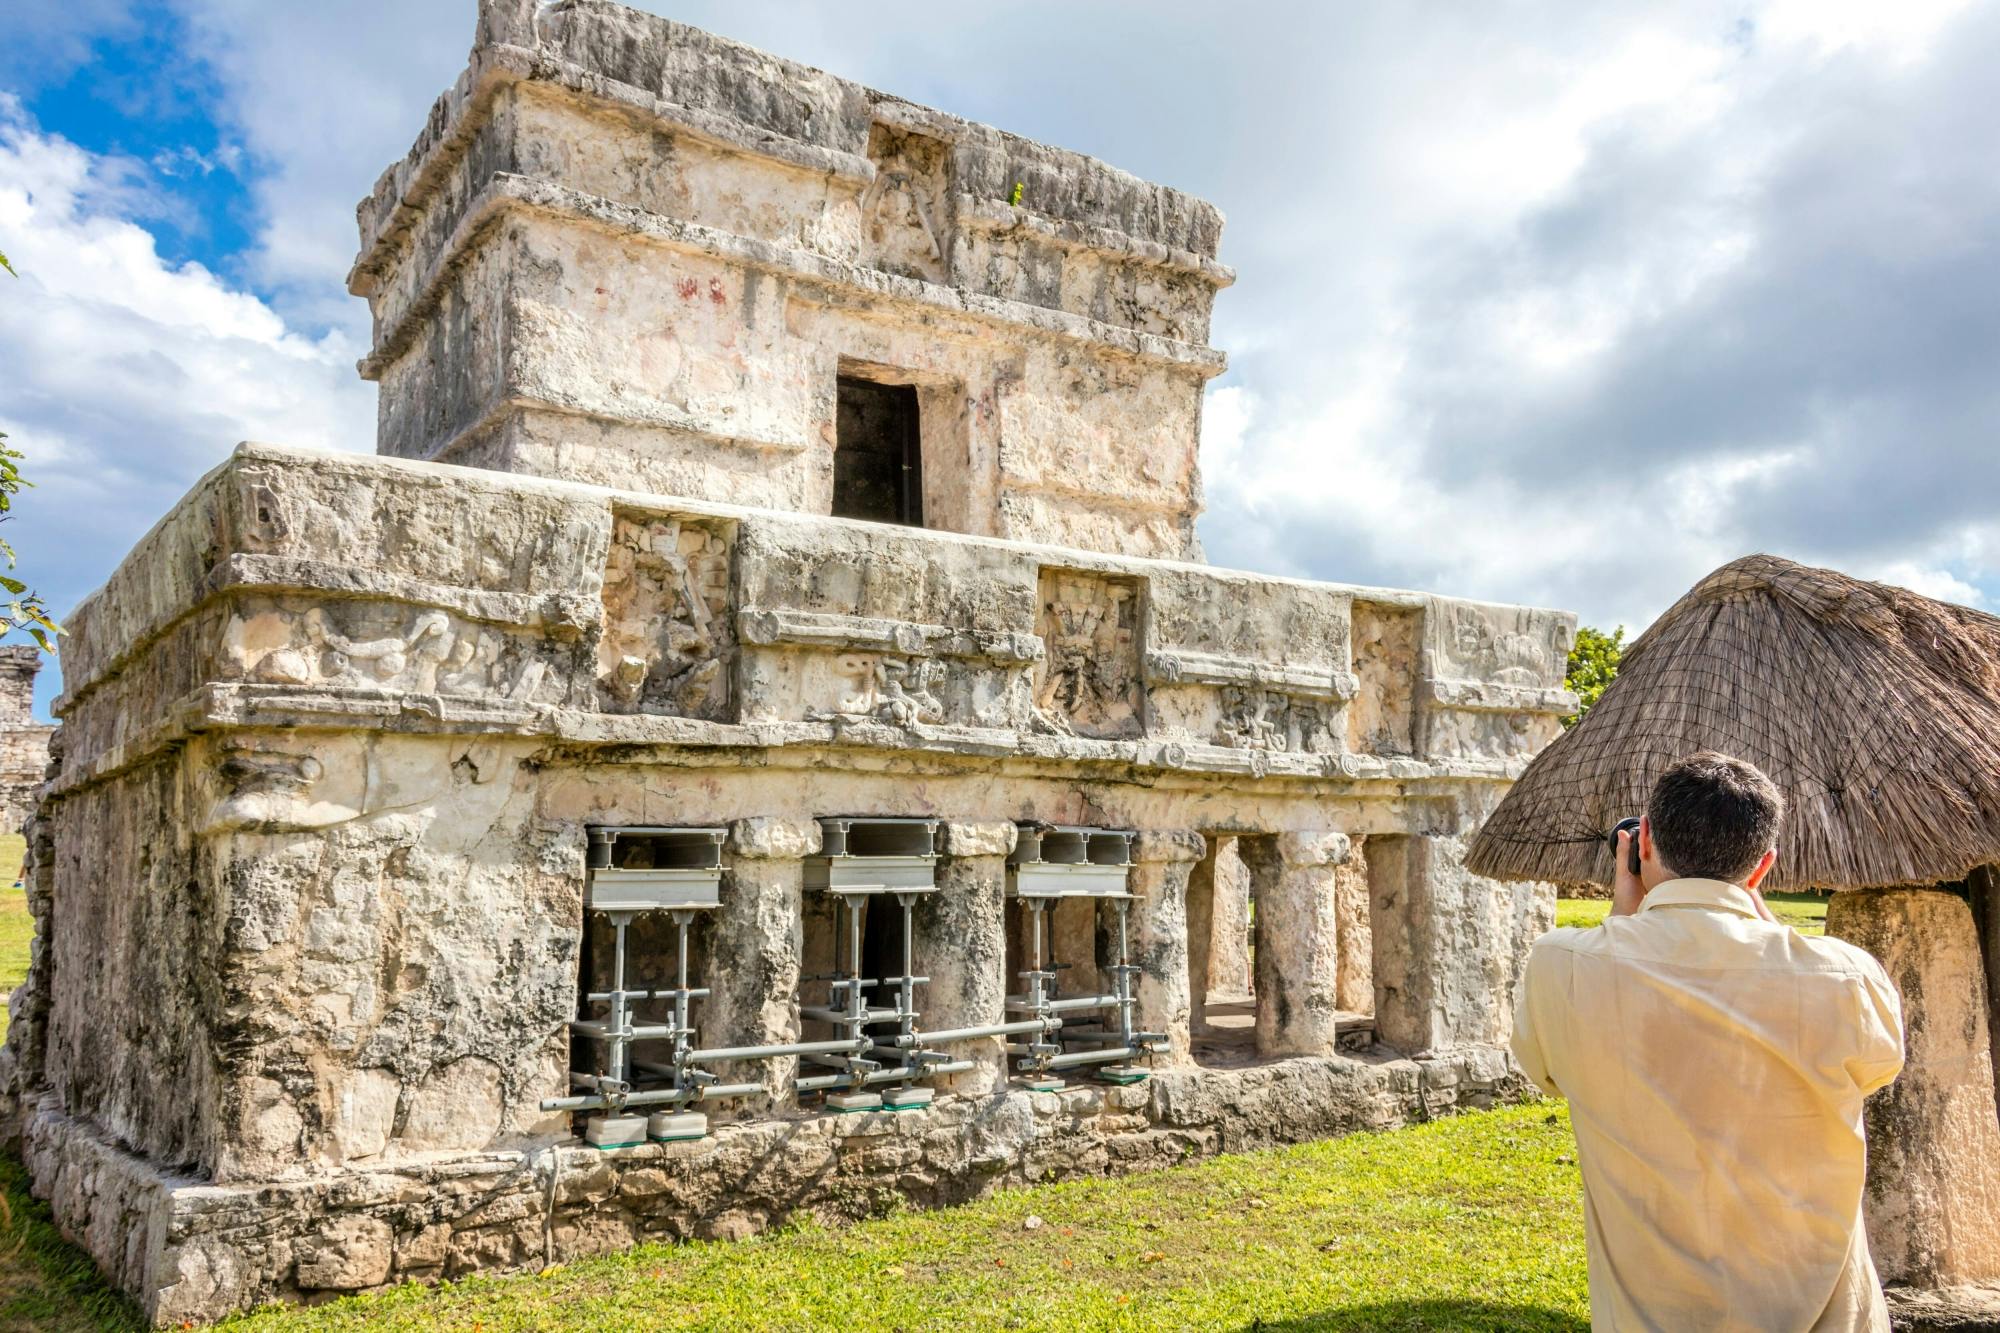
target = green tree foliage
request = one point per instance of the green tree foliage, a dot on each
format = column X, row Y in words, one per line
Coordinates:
column 20, row 608
column 1593, row 665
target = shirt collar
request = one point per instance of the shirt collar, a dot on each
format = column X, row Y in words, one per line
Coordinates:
column 1700, row 893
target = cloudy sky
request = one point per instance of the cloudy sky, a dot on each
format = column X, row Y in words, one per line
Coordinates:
column 1556, row 303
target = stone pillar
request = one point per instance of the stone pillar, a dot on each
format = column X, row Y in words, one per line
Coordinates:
column 755, row 945
column 1292, row 876
column 1933, row 1199
column 961, row 944
column 1448, row 944
column 1159, row 940
column 1229, row 932
column 1354, row 987
column 1201, row 894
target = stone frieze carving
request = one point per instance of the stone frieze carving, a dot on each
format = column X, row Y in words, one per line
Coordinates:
column 1088, row 684
column 667, row 636
column 1255, row 718
column 900, row 691
column 1507, row 646
column 415, row 650
column 904, row 210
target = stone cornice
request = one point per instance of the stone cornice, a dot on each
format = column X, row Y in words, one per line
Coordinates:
column 506, row 192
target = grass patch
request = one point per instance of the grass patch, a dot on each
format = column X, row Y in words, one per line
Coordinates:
column 17, row 928
column 47, row 1284
column 1803, row 912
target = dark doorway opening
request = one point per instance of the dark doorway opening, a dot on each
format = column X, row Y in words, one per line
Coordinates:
column 877, row 453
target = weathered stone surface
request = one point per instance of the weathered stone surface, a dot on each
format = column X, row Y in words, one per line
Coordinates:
column 347, row 1254
column 1292, row 878
column 1448, row 945
column 1933, row 1199
column 651, row 268
column 24, row 742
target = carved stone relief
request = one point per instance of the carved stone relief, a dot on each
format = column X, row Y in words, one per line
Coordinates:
column 417, row 650
column 1255, row 718
column 1507, row 645
column 1387, row 657
column 667, row 636
column 1088, row 683
column 261, row 518
column 900, row 691
column 904, row 211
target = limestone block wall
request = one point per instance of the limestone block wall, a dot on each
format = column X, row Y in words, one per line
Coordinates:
column 626, row 251
column 310, row 874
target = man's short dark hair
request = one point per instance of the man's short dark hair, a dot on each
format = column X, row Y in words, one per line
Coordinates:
column 1714, row 817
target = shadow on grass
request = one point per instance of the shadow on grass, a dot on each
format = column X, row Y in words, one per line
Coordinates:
column 1425, row 1316
column 47, row 1284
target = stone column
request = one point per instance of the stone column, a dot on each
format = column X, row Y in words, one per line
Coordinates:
column 1159, row 940
column 1202, row 888
column 755, row 944
column 1292, row 876
column 1354, row 987
column 1229, row 931
column 1933, row 1199
column 1448, row 944
column 961, row 944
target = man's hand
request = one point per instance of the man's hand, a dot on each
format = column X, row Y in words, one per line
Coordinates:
column 1626, row 890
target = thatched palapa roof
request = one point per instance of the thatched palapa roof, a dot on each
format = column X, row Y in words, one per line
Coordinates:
column 1877, row 711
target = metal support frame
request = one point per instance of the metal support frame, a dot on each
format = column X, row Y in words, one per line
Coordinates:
column 1041, row 978
column 858, row 1057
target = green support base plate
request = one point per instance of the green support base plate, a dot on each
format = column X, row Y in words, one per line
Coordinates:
column 1124, row 1078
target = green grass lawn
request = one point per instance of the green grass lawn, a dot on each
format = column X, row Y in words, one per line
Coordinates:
column 1803, row 912
column 17, row 928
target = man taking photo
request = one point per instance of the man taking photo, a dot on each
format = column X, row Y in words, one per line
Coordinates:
column 1715, row 1062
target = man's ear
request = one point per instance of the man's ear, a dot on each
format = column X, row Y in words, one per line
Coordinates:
column 1764, row 865
column 1646, row 850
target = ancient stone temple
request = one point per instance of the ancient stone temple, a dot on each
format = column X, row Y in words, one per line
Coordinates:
column 24, row 742
column 759, row 739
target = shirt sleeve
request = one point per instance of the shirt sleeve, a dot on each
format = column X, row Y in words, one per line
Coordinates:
column 1878, row 1056
column 1526, row 1041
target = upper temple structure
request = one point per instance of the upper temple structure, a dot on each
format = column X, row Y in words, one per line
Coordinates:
column 757, row 740
column 630, row 253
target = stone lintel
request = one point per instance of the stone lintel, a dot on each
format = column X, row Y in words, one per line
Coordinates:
column 765, row 837
column 980, row 837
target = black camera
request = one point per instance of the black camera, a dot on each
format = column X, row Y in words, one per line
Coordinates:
column 1631, row 823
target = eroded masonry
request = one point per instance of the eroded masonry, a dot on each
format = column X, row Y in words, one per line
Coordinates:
column 760, row 739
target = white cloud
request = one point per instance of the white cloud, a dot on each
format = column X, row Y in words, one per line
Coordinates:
column 129, row 376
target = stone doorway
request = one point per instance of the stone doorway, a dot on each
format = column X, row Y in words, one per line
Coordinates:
column 878, row 453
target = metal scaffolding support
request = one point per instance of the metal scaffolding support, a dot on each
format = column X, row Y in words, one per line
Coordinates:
column 1052, row 864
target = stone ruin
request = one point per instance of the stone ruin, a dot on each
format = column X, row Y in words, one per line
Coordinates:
column 759, row 739
column 24, row 742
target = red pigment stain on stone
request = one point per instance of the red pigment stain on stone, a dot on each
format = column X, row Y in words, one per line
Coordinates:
column 687, row 287
column 715, row 291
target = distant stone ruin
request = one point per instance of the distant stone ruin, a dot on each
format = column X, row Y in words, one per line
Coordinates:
column 24, row 742
column 758, row 741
